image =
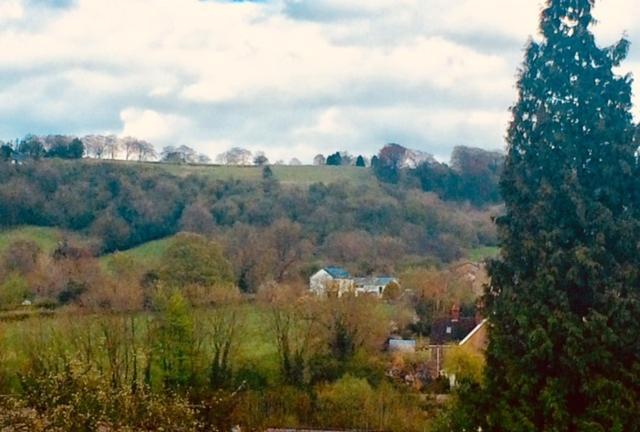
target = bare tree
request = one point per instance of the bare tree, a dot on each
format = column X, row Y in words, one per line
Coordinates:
column 293, row 326
column 235, row 156
column 203, row 159
column 96, row 145
column 295, row 162
column 288, row 246
column 182, row 154
column 146, row 151
column 129, row 145
column 112, row 144
column 260, row 159
column 319, row 160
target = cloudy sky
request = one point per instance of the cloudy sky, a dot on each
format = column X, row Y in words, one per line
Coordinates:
column 289, row 77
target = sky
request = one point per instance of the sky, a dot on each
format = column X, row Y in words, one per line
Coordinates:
column 292, row 78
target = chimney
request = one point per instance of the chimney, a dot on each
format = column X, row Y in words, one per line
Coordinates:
column 455, row 313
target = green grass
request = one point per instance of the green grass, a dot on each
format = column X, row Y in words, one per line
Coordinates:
column 482, row 253
column 147, row 254
column 62, row 332
column 297, row 175
column 46, row 238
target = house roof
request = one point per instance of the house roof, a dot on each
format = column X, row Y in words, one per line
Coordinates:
column 337, row 272
column 401, row 344
column 375, row 281
column 447, row 330
column 472, row 332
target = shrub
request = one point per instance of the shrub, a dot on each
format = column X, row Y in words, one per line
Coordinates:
column 13, row 291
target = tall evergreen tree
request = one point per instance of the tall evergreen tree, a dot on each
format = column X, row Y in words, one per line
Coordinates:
column 564, row 301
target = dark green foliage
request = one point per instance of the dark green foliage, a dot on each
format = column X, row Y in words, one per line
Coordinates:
column 360, row 162
column 66, row 150
column 564, row 300
column 6, row 151
column 374, row 161
column 127, row 205
column 473, row 176
column 267, row 173
column 32, row 147
column 391, row 161
column 334, row 159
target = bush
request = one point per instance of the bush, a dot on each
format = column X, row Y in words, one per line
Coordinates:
column 13, row 291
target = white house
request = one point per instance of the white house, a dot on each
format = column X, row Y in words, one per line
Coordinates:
column 331, row 278
column 373, row 285
column 340, row 281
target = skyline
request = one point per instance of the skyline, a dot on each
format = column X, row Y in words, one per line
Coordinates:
column 290, row 78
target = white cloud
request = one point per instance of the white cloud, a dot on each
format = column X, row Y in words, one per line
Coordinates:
column 10, row 10
column 282, row 76
column 153, row 126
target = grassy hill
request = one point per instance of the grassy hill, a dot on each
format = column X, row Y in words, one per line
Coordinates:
column 303, row 175
column 46, row 238
column 147, row 254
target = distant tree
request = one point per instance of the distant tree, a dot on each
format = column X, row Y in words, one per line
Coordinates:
column 478, row 172
column 288, row 246
column 375, row 162
column 96, row 145
column 346, row 158
column 235, row 156
column 203, row 159
column 260, row 159
column 64, row 147
column 392, row 292
column 112, row 145
column 146, row 151
column 173, row 330
column 13, row 291
column 31, row 146
column 249, row 255
column 360, row 162
column 21, row 257
column 130, row 145
column 195, row 266
column 295, row 162
column 390, row 162
column 334, row 159
column 267, row 173
column 6, row 151
column 182, row 154
column 292, row 326
column 76, row 149
column 319, row 160
column 197, row 218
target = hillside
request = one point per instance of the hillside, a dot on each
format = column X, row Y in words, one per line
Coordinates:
column 46, row 238
column 286, row 174
column 147, row 254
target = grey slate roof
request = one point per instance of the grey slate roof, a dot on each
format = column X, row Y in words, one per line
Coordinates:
column 337, row 272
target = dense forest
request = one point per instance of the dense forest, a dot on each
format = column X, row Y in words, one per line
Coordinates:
column 371, row 228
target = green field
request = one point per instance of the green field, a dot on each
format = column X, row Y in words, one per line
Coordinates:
column 46, row 238
column 303, row 175
column 483, row 253
column 62, row 333
column 147, row 254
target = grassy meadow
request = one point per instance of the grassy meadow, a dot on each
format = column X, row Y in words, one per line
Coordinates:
column 295, row 175
column 72, row 335
column 45, row 238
